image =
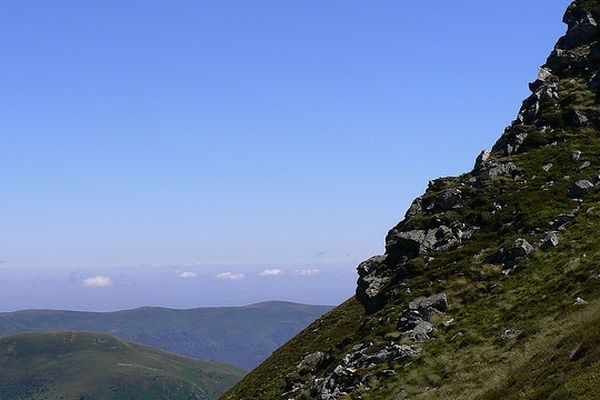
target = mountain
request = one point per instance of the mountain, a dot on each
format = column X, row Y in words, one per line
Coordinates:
column 91, row 366
column 242, row 336
column 489, row 288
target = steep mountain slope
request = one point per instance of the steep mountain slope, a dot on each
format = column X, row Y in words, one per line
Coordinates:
column 490, row 286
column 242, row 336
column 92, row 366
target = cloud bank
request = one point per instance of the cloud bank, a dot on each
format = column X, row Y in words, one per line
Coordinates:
column 230, row 276
column 271, row 272
column 187, row 274
column 97, row 281
column 308, row 272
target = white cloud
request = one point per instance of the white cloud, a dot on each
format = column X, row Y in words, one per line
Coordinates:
column 308, row 272
column 187, row 274
column 230, row 276
column 97, row 281
column 270, row 272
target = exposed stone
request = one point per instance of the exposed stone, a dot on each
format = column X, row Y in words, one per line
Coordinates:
column 344, row 378
column 579, row 302
column 584, row 165
column 447, row 199
column 580, row 189
column 415, row 207
column 481, row 159
column 414, row 322
column 510, row 334
column 519, row 250
column 372, row 278
column 582, row 28
column 547, row 167
column 575, row 155
column 549, row 241
column 561, row 221
column 578, row 118
column 311, row 362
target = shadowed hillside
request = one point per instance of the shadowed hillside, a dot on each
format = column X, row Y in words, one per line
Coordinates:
column 89, row 366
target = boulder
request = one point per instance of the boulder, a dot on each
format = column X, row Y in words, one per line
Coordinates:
column 447, row 199
column 578, row 118
column 575, row 155
column 373, row 276
column 549, row 241
column 580, row 189
column 519, row 250
column 414, row 322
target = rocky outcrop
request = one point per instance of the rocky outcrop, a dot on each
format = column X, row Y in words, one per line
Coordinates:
column 415, row 322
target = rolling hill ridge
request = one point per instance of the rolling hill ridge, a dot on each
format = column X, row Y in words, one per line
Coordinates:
column 242, row 336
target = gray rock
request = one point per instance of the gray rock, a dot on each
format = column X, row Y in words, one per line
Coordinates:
column 561, row 221
column 415, row 207
column 580, row 302
column 580, row 189
column 575, row 155
column 447, row 199
column 373, row 276
column 414, row 322
column 578, row 118
column 481, row 159
column 519, row 250
column 582, row 28
column 501, row 169
column 438, row 302
column 584, row 165
column 547, row 167
column 311, row 362
column 510, row 334
column 549, row 241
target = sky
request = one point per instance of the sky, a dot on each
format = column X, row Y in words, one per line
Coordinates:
column 265, row 132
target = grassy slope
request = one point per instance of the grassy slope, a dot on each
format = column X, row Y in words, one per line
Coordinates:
column 93, row 366
column 557, row 354
column 242, row 336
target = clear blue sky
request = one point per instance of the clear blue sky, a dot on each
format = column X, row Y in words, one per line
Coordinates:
column 181, row 132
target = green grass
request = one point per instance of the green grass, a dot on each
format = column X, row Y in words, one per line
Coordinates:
column 91, row 366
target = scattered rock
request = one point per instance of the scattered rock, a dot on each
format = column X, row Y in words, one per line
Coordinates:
column 561, row 221
column 414, row 322
column 547, row 167
column 580, row 189
column 519, row 250
column 549, row 241
column 575, row 155
column 584, row 165
column 510, row 334
column 578, row 118
column 312, row 362
column 579, row 302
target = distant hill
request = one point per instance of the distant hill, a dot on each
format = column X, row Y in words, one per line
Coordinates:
column 92, row 366
column 242, row 336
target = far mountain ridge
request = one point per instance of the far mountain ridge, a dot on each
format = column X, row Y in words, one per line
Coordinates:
column 242, row 336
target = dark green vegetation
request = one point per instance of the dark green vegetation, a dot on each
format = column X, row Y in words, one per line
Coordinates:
column 89, row 366
column 242, row 336
column 522, row 323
